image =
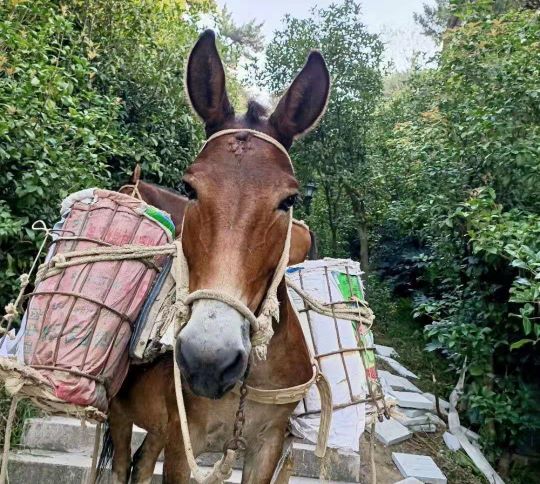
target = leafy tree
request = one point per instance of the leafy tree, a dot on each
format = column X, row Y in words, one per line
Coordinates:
column 248, row 35
column 434, row 18
column 334, row 154
column 139, row 49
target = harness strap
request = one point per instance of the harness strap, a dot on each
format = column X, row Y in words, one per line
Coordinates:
column 222, row 469
column 225, row 298
column 281, row 396
column 254, row 132
column 284, row 396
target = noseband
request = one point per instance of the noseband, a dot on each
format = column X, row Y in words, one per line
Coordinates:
column 261, row 325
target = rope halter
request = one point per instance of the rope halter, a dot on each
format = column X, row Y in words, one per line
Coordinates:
column 261, row 325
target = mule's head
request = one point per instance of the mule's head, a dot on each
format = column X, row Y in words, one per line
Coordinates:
column 241, row 190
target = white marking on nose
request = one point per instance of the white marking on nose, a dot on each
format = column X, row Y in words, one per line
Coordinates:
column 214, row 328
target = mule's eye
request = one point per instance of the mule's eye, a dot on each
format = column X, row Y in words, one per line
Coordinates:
column 288, row 202
column 187, row 190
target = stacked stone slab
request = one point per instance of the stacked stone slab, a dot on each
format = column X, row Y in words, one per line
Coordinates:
column 414, row 413
column 58, row 450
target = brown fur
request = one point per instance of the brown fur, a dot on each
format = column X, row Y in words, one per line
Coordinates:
column 233, row 237
column 147, row 397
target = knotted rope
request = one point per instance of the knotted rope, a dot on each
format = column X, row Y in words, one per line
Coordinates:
column 340, row 310
column 13, row 308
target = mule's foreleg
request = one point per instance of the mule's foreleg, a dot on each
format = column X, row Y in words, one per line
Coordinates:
column 144, row 460
column 262, row 458
column 175, row 466
column 121, row 429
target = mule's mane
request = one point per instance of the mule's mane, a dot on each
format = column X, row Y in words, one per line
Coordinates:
column 165, row 188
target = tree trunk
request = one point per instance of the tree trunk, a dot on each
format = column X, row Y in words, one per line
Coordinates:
column 364, row 248
column 333, row 232
column 314, row 249
column 359, row 210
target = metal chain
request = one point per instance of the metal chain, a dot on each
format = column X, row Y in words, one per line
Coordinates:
column 237, row 442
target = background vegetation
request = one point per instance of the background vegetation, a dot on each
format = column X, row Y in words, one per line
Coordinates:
column 430, row 176
column 442, row 172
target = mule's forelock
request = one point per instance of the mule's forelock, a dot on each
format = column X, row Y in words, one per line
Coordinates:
column 256, row 112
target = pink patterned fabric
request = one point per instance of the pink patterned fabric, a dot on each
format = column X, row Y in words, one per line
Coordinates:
column 72, row 332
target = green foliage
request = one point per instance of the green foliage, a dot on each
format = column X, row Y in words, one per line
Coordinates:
column 334, row 154
column 460, row 150
column 57, row 131
column 139, row 49
column 87, row 90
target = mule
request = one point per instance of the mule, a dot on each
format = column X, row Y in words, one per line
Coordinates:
column 240, row 190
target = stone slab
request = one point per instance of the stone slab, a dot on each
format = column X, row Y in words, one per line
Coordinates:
column 427, row 428
column 408, row 421
column 398, row 382
column 391, row 432
column 451, row 441
column 64, row 434
column 409, row 480
column 42, row 467
column 472, row 436
column 411, row 412
column 443, row 404
column 412, row 400
column 439, row 422
column 385, row 350
column 421, row 467
column 397, row 367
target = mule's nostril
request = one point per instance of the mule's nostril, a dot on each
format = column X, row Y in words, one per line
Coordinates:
column 183, row 356
column 234, row 370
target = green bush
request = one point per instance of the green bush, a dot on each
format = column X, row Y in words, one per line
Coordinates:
column 461, row 145
column 87, row 90
column 139, row 49
column 57, row 131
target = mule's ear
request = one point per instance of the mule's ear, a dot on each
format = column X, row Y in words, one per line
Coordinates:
column 136, row 176
column 304, row 102
column 205, row 82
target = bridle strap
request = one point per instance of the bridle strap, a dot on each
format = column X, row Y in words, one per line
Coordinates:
column 224, row 298
column 253, row 132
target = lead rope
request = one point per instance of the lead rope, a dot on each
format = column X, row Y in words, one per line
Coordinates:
column 7, row 439
column 222, row 469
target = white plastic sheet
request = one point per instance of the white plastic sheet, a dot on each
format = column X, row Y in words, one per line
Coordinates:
column 345, row 371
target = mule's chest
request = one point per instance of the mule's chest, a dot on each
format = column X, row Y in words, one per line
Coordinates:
column 219, row 417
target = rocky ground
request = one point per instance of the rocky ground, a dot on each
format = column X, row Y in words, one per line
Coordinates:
column 415, row 429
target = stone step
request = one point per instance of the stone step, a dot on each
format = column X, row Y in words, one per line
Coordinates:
column 67, row 435
column 72, row 468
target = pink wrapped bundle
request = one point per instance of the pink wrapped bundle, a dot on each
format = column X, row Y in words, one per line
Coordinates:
column 79, row 321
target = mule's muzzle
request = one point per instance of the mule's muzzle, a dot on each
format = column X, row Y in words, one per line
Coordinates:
column 213, row 348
